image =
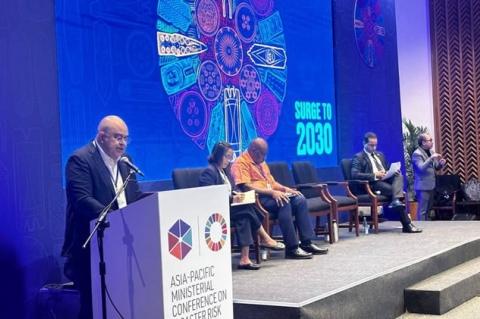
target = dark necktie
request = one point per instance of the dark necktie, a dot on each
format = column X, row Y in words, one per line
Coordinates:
column 377, row 163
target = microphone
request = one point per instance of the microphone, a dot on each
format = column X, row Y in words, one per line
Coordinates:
column 131, row 165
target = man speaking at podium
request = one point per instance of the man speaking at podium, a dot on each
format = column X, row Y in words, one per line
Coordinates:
column 94, row 173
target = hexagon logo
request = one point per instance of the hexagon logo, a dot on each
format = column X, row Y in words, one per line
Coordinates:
column 180, row 239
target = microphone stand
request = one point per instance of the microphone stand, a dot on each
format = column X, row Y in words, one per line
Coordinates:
column 100, row 226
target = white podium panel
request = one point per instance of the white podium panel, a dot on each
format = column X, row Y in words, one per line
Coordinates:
column 168, row 256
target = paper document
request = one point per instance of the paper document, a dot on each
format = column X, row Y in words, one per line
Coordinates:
column 394, row 167
column 249, row 198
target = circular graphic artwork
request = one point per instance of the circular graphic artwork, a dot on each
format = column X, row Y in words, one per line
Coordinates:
column 245, row 22
column 228, row 51
column 369, row 31
column 208, row 17
column 267, row 112
column 250, row 85
column 193, row 113
column 210, row 80
column 217, row 60
column 216, row 232
column 262, row 7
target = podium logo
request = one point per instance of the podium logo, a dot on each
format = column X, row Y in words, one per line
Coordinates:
column 180, row 239
column 216, row 232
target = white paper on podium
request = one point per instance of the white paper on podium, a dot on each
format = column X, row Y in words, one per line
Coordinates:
column 394, row 168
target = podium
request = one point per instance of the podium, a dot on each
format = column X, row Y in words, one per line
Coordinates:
column 168, row 256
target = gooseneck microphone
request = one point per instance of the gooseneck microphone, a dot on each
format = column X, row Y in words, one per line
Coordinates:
column 131, row 165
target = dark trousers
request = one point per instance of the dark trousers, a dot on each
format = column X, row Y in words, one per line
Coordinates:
column 247, row 222
column 390, row 187
column 296, row 208
column 77, row 269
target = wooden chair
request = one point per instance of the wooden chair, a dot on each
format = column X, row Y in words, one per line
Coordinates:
column 189, row 178
column 447, row 196
column 305, row 172
column 317, row 203
column 364, row 193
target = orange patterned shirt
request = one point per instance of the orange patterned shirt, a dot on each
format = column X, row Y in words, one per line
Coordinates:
column 244, row 170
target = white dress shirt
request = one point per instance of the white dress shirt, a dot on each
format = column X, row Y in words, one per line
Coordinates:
column 115, row 176
column 374, row 166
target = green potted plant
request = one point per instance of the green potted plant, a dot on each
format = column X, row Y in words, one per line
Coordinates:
column 410, row 143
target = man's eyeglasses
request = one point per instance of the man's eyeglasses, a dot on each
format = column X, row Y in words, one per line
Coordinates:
column 119, row 137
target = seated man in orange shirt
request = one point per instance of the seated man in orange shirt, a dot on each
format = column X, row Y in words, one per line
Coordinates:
column 251, row 172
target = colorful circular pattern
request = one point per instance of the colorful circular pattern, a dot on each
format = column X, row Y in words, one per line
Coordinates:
column 192, row 113
column 262, row 7
column 245, row 22
column 250, row 85
column 216, row 232
column 208, row 17
column 267, row 112
column 369, row 31
column 210, row 80
column 228, row 51
column 218, row 55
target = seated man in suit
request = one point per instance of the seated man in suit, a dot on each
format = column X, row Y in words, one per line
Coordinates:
column 94, row 173
column 251, row 172
column 370, row 165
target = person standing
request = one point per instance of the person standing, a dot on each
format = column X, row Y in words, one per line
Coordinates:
column 425, row 162
column 94, row 173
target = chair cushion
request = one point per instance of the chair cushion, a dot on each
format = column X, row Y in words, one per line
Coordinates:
column 344, row 201
column 365, row 199
column 317, row 204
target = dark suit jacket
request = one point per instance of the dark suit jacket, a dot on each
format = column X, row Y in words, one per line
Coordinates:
column 211, row 176
column 89, row 189
column 362, row 167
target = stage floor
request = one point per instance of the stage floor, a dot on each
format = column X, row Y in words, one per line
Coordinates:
column 351, row 262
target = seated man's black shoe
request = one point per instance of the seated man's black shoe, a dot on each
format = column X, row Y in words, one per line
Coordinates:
column 314, row 249
column 298, row 253
column 395, row 203
column 411, row 228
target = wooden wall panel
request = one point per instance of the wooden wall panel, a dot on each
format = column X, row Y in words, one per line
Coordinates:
column 455, row 35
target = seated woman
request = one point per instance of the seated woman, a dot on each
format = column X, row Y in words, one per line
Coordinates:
column 246, row 219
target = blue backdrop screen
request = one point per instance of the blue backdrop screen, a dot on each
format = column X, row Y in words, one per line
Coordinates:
column 186, row 74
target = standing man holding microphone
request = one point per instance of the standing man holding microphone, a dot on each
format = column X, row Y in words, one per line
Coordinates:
column 425, row 162
column 94, row 173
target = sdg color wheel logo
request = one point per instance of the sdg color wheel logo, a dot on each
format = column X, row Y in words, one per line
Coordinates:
column 223, row 65
column 216, row 232
column 180, row 239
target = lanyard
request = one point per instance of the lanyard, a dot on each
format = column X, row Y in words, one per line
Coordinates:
column 115, row 180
